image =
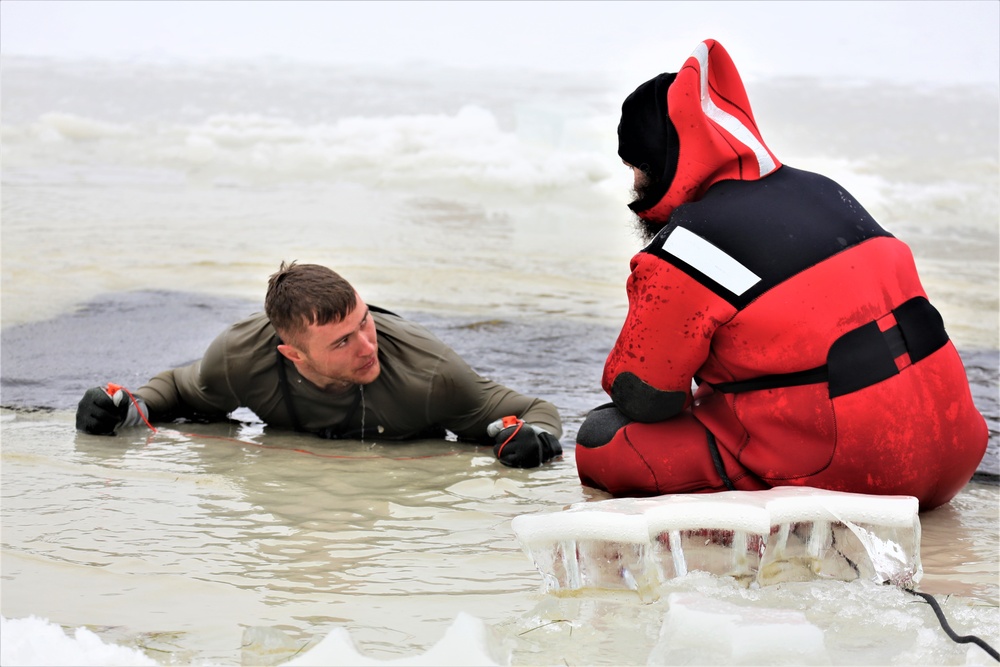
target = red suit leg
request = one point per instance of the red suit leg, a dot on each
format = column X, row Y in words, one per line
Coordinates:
column 673, row 456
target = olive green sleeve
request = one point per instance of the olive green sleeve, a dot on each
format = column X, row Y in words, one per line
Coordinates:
column 470, row 402
column 200, row 388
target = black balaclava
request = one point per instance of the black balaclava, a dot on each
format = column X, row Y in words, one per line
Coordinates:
column 647, row 138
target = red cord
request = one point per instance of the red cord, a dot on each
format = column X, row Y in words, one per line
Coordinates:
column 520, row 423
column 114, row 388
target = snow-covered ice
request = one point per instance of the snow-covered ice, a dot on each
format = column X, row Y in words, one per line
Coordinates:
column 32, row 641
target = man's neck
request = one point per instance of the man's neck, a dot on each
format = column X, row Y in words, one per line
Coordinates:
column 325, row 384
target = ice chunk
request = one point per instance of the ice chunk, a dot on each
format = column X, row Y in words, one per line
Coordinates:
column 465, row 642
column 264, row 645
column 723, row 534
column 37, row 641
column 842, row 536
column 592, row 548
column 739, row 635
column 762, row 537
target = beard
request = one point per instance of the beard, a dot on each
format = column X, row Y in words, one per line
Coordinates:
column 646, row 230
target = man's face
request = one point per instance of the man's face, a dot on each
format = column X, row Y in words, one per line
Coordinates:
column 338, row 354
column 639, row 178
column 640, row 187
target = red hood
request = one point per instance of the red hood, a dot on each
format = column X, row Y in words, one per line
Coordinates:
column 718, row 135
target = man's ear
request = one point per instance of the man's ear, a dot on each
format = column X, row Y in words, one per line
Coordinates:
column 290, row 352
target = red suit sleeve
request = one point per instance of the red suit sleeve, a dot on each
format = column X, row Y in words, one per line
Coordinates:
column 666, row 338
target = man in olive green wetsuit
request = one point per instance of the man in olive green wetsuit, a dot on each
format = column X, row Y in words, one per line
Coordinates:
column 320, row 360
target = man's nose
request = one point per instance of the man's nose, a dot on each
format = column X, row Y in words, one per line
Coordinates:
column 366, row 345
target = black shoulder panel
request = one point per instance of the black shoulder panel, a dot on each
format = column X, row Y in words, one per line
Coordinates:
column 775, row 228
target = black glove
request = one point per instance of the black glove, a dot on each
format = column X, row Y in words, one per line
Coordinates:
column 521, row 445
column 102, row 411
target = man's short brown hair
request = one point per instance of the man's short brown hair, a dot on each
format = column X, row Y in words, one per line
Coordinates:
column 299, row 295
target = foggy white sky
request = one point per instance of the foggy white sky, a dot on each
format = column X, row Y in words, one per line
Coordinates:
column 906, row 41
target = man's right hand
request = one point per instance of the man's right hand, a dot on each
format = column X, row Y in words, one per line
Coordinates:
column 101, row 412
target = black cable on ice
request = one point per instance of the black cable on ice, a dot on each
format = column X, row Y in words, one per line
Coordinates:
column 955, row 637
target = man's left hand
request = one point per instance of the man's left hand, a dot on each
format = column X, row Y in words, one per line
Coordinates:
column 522, row 445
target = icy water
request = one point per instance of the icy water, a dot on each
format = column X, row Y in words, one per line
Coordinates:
column 144, row 206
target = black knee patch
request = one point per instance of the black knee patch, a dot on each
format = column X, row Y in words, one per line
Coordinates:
column 600, row 426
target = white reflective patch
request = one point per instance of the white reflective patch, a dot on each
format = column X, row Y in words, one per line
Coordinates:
column 732, row 125
column 714, row 263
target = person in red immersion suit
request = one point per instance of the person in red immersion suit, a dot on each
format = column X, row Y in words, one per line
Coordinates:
column 776, row 334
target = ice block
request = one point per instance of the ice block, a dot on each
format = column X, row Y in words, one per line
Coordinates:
column 591, row 547
column 755, row 537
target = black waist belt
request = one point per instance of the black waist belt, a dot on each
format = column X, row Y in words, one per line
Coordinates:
column 863, row 356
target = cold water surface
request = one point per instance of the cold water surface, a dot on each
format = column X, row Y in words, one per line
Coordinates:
column 179, row 541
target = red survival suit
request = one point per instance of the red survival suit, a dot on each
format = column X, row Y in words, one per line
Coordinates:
column 817, row 357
